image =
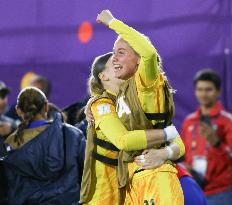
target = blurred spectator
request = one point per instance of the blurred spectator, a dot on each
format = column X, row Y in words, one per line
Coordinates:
column 47, row 156
column 7, row 125
column 26, row 79
column 52, row 110
column 81, row 121
column 42, row 83
column 73, row 111
column 207, row 134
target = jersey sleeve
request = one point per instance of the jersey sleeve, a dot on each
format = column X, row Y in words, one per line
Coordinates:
column 107, row 121
column 178, row 141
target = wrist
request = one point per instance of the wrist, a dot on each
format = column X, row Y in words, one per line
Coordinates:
column 110, row 21
column 169, row 152
column 170, row 133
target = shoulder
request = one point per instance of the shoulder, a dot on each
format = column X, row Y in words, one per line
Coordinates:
column 191, row 116
column 189, row 120
column 226, row 115
column 103, row 106
column 73, row 131
column 103, row 100
column 10, row 139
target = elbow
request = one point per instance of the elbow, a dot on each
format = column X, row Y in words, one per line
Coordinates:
column 151, row 54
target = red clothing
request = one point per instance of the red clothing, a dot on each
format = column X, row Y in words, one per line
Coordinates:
column 219, row 159
column 181, row 171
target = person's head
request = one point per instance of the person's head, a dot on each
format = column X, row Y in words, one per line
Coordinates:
column 102, row 75
column 207, row 87
column 31, row 105
column 52, row 109
column 42, row 83
column 70, row 112
column 125, row 59
column 4, row 91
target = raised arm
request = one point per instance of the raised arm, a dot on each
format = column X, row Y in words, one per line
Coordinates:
column 148, row 68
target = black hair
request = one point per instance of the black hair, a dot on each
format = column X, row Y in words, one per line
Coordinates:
column 52, row 108
column 208, row 75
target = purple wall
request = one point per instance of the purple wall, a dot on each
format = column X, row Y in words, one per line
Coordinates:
column 42, row 36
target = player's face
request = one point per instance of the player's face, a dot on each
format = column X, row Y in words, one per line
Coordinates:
column 109, row 73
column 109, row 69
column 125, row 60
column 206, row 93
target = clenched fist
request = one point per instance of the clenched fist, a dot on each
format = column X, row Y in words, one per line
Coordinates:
column 105, row 17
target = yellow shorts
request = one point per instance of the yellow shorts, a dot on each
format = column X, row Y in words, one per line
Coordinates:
column 158, row 188
column 105, row 191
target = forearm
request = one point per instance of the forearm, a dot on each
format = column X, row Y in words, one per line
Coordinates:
column 123, row 139
column 126, row 140
column 154, row 136
column 159, row 136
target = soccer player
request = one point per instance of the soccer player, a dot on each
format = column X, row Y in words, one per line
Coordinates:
column 144, row 101
column 108, row 136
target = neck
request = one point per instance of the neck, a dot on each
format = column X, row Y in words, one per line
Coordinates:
column 39, row 117
column 113, row 86
column 112, row 89
column 205, row 109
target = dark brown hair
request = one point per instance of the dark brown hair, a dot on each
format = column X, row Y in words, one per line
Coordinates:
column 94, row 83
column 31, row 102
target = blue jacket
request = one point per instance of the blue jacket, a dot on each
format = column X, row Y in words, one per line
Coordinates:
column 13, row 123
column 48, row 169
